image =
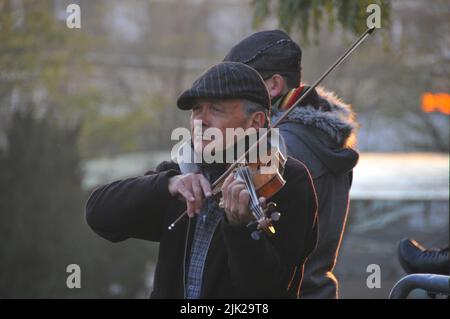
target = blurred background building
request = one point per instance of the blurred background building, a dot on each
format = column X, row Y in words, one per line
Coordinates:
column 81, row 107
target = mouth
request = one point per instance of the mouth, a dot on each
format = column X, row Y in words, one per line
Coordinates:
column 203, row 138
column 200, row 136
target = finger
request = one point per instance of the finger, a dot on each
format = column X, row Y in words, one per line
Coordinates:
column 206, row 187
column 231, row 197
column 228, row 192
column 234, row 198
column 262, row 202
column 244, row 210
column 232, row 217
column 186, row 193
column 190, row 209
column 227, row 181
column 224, row 188
column 189, row 198
column 198, row 194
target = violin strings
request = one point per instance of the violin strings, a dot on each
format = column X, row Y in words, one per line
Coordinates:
column 256, row 208
column 245, row 180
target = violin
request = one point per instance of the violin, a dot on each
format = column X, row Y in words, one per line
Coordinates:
column 260, row 183
column 268, row 184
column 262, row 178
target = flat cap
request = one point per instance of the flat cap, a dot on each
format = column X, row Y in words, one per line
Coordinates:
column 268, row 52
column 227, row 80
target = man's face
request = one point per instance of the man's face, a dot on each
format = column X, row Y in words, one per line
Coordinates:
column 220, row 114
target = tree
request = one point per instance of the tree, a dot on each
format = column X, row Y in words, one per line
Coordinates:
column 43, row 229
column 45, row 102
column 41, row 202
column 351, row 15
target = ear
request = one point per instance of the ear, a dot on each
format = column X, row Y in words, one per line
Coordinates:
column 276, row 85
column 257, row 120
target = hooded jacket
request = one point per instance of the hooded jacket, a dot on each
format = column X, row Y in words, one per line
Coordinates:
column 321, row 134
column 236, row 265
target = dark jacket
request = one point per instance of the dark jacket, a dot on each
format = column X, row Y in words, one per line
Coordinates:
column 321, row 134
column 236, row 265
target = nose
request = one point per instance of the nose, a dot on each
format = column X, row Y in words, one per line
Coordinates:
column 201, row 115
column 198, row 115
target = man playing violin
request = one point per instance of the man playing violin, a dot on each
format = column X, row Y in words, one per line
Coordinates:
column 213, row 253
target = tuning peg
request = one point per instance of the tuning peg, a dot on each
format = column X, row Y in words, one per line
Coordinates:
column 275, row 216
column 271, row 206
column 256, row 234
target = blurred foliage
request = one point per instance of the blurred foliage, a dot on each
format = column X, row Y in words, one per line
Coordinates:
column 39, row 52
column 110, row 133
column 46, row 66
column 49, row 107
column 383, row 85
column 42, row 227
column 301, row 15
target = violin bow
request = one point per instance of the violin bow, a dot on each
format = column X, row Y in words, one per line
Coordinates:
column 349, row 51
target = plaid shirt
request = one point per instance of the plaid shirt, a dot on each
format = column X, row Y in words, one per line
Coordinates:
column 205, row 226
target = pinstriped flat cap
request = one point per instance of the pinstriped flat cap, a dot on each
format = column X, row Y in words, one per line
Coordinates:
column 227, row 80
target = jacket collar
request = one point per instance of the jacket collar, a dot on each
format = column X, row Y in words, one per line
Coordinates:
column 325, row 111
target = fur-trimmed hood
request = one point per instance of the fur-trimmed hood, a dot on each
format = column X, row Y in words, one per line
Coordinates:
column 330, row 115
column 326, row 126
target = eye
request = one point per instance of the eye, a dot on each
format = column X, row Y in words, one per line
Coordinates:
column 216, row 108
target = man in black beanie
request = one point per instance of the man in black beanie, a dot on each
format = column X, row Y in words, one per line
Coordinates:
column 320, row 133
column 213, row 254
